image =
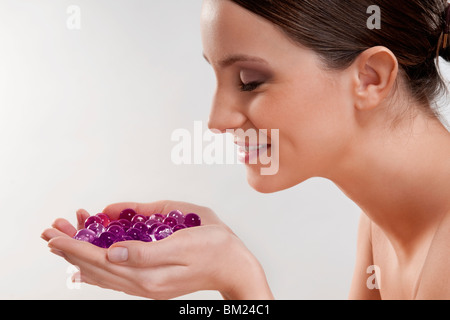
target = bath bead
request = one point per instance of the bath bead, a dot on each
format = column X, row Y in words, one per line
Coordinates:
column 178, row 215
column 115, row 223
column 134, row 233
column 123, row 237
column 106, row 239
column 162, row 232
column 145, row 237
column 91, row 220
column 152, row 228
column 142, row 227
column 105, row 218
column 101, row 231
column 138, row 218
column 170, row 221
column 85, row 235
column 179, row 227
column 125, row 224
column 115, row 229
column 97, row 243
column 192, row 220
column 127, row 214
column 98, row 228
column 151, row 222
column 157, row 216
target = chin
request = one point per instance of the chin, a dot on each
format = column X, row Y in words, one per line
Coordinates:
column 270, row 183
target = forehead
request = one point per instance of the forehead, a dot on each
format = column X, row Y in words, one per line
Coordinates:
column 229, row 29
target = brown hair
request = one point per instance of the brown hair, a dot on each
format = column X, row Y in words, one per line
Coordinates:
column 337, row 31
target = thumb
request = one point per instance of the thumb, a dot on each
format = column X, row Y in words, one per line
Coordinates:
column 140, row 254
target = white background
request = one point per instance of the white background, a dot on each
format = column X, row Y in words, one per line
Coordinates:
column 86, row 118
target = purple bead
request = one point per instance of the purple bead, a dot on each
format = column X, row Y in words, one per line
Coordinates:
column 150, row 222
column 134, row 233
column 91, row 220
column 163, row 231
column 170, row 221
column 117, row 230
column 123, row 237
column 139, row 218
column 98, row 243
column 106, row 239
column 127, row 214
column 179, row 227
column 145, row 237
column 178, row 215
column 157, row 216
column 151, row 229
column 85, row 235
column 98, row 228
column 192, row 220
column 125, row 224
column 141, row 227
column 115, row 223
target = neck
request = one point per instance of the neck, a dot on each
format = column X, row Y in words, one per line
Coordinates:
column 401, row 180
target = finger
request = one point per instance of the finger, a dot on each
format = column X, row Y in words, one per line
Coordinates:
column 164, row 207
column 147, row 209
column 64, row 226
column 82, row 253
column 86, row 251
column 94, row 268
column 51, row 233
column 82, row 215
column 170, row 251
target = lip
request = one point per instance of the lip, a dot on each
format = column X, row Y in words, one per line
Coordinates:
column 243, row 148
column 248, row 156
column 243, row 144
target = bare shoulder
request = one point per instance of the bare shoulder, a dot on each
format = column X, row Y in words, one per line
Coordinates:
column 435, row 283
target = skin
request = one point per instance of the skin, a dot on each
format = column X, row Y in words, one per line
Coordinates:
column 333, row 124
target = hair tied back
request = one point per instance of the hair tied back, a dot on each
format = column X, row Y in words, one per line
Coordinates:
column 447, row 26
column 445, row 35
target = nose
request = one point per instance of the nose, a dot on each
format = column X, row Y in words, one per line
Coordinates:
column 225, row 113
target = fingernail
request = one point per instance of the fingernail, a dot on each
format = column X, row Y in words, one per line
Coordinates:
column 49, row 234
column 118, row 254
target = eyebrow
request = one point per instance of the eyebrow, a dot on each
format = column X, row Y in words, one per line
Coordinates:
column 232, row 59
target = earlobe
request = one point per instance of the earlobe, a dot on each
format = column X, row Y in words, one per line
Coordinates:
column 376, row 70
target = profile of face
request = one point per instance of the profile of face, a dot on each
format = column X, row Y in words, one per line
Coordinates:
column 266, row 81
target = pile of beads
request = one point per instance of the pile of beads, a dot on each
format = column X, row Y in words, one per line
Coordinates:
column 101, row 231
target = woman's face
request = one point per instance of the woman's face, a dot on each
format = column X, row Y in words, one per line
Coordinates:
column 265, row 81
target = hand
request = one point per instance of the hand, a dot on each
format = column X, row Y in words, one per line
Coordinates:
column 209, row 257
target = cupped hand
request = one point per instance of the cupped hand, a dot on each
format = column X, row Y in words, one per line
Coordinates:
column 209, row 257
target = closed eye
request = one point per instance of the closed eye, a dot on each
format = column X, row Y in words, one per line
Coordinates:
column 250, row 86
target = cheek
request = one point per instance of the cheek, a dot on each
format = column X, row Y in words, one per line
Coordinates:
column 313, row 117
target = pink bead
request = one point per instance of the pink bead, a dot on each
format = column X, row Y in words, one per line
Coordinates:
column 178, row 215
column 105, row 218
column 91, row 220
column 192, row 220
column 127, row 214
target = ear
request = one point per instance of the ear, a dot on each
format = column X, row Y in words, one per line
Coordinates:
column 375, row 72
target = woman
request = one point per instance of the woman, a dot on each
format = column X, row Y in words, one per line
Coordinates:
column 352, row 98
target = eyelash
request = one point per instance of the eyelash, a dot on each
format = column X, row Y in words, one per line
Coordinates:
column 250, row 86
